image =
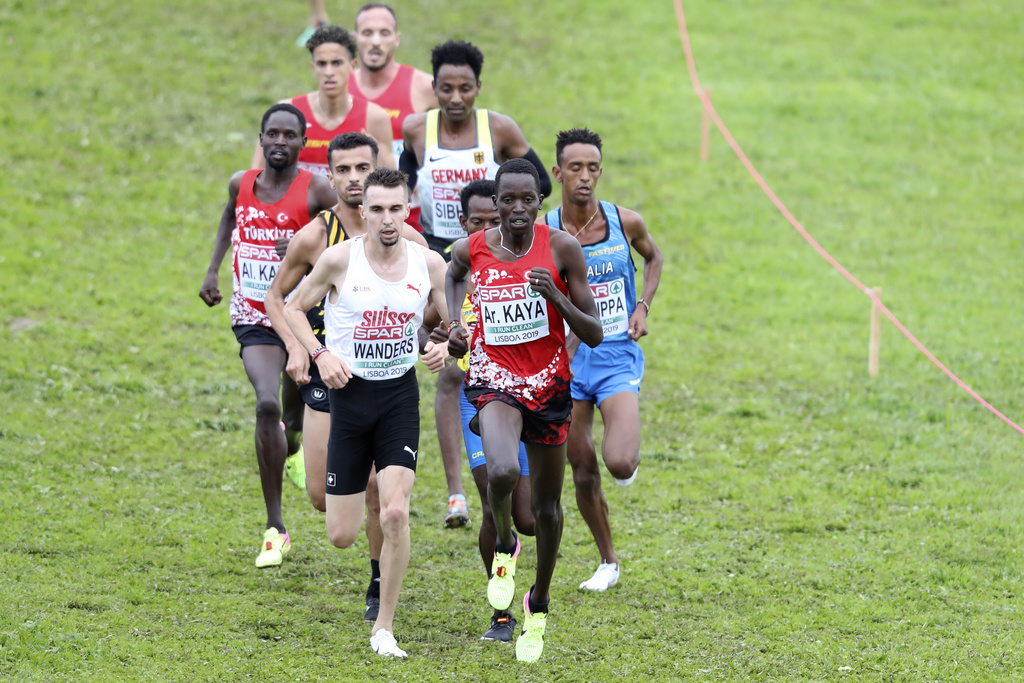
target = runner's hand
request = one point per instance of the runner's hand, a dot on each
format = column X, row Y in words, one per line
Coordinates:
column 333, row 370
column 209, row 292
column 638, row 323
column 458, row 342
column 434, row 355
column 281, row 246
column 438, row 335
column 541, row 282
column 298, row 365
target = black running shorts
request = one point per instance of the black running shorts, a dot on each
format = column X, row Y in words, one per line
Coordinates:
column 372, row 422
column 256, row 335
column 314, row 394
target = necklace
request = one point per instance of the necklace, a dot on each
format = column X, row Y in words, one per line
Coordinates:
column 501, row 235
column 577, row 233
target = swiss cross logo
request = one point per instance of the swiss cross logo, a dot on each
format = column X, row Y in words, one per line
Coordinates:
column 332, row 479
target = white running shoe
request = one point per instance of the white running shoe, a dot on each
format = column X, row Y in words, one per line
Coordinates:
column 383, row 643
column 627, row 482
column 606, row 576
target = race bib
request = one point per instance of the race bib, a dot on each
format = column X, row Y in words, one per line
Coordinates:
column 446, row 209
column 610, row 298
column 256, row 268
column 512, row 314
column 381, row 351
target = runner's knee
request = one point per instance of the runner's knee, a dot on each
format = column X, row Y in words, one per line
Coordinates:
column 502, row 477
column 393, row 518
column 622, row 468
column 547, row 513
column 586, row 476
column 268, row 409
column 341, row 535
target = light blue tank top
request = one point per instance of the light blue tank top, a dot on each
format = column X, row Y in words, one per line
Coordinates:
column 611, row 273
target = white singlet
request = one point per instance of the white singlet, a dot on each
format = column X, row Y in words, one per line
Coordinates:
column 446, row 171
column 372, row 326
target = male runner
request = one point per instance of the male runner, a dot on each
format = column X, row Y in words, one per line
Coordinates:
column 402, row 90
column 353, row 156
column 530, row 281
column 608, row 376
column 445, row 149
column 377, row 287
column 478, row 213
column 331, row 110
column 263, row 206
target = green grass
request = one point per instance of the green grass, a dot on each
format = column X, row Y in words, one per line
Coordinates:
column 793, row 520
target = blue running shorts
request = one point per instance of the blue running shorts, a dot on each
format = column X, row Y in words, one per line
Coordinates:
column 611, row 368
column 474, row 445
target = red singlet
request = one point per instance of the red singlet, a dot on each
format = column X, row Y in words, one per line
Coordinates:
column 519, row 342
column 314, row 157
column 396, row 99
column 257, row 227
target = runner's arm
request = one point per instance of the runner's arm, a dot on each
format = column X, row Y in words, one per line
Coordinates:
column 455, row 293
column 510, row 143
column 412, row 132
column 378, row 126
column 329, row 268
column 209, row 291
column 421, row 92
column 579, row 310
column 640, row 239
column 303, row 251
column 435, row 353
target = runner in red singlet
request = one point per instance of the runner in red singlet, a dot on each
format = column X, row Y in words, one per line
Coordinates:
column 399, row 88
column 264, row 206
column 528, row 279
column 332, row 110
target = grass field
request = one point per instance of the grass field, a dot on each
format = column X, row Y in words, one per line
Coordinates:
column 793, row 520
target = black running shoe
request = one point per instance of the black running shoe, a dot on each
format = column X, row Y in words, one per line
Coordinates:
column 372, row 608
column 503, row 625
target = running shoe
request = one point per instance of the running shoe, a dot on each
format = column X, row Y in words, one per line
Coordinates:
column 630, row 480
column 503, row 625
column 530, row 643
column 372, row 609
column 458, row 512
column 501, row 589
column 295, row 468
column 275, row 546
column 383, row 643
column 606, row 576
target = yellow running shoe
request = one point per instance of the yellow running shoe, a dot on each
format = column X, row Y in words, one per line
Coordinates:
column 275, row 546
column 295, row 468
column 501, row 589
column 530, row 643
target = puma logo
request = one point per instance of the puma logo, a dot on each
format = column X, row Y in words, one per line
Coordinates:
column 415, row 289
column 412, row 452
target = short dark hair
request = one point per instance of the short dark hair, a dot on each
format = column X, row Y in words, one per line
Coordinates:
column 477, row 188
column 383, row 176
column 333, row 34
column 352, row 141
column 376, row 5
column 574, row 136
column 291, row 109
column 517, row 167
column 457, row 53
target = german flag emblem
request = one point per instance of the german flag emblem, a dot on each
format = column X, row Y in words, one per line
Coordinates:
column 478, row 157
